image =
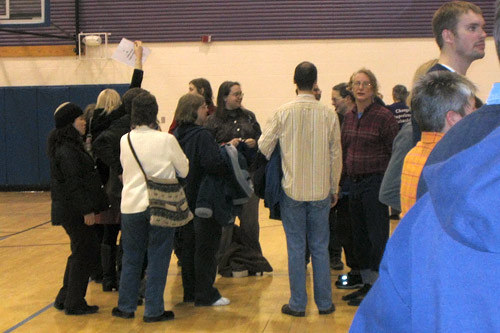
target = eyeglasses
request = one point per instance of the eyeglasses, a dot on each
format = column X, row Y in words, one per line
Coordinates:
column 361, row 84
column 237, row 94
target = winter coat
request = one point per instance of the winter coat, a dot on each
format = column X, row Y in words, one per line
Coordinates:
column 76, row 188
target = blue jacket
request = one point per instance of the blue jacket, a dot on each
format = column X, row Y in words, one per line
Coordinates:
column 440, row 266
column 273, row 191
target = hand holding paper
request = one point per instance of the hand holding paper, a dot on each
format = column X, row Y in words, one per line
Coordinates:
column 128, row 52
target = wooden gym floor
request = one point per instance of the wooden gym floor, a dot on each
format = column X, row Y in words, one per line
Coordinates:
column 34, row 253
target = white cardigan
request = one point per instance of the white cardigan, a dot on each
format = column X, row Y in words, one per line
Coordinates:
column 160, row 156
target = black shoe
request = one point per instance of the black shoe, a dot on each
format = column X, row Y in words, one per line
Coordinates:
column 286, row 310
column 59, row 306
column 84, row 310
column 355, row 302
column 358, row 293
column 349, row 281
column 116, row 312
column 337, row 265
column 188, row 299
column 327, row 311
column 167, row 315
column 109, row 285
column 97, row 278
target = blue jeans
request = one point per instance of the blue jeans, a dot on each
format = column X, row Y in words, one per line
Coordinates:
column 139, row 237
column 309, row 219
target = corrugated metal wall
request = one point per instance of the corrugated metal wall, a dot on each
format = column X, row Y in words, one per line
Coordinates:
column 187, row 20
column 62, row 17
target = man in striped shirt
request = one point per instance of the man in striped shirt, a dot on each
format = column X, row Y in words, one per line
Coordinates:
column 440, row 99
column 308, row 133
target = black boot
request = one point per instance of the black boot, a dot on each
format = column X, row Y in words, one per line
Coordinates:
column 96, row 271
column 108, row 258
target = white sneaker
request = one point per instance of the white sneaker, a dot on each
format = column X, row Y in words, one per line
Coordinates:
column 221, row 302
column 239, row 274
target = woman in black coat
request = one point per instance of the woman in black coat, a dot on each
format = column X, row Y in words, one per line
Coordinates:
column 112, row 120
column 201, row 237
column 77, row 195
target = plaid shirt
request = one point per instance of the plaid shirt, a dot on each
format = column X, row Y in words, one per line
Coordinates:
column 367, row 141
column 412, row 168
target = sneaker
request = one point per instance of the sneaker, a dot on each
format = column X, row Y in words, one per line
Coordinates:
column 349, row 281
column 167, row 315
column 239, row 274
column 331, row 309
column 221, row 302
column 116, row 312
column 288, row 311
column 358, row 293
column 84, row 310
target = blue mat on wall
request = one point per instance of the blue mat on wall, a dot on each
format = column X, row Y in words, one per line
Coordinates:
column 26, row 119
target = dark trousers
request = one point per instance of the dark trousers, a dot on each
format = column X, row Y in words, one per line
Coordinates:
column 342, row 227
column 83, row 258
column 334, row 246
column 96, row 273
column 110, row 234
column 201, row 239
column 370, row 221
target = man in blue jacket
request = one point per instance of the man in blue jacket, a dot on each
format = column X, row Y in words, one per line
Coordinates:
column 450, row 238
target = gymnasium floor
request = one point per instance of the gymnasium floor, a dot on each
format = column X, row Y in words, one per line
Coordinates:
column 34, row 254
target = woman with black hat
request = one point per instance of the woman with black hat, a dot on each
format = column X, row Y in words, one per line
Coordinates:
column 77, row 195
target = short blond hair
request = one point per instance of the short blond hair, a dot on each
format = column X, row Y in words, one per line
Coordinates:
column 108, row 100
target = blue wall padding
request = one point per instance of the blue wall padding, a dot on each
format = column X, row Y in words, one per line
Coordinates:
column 26, row 119
column 21, row 139
column 3, row 167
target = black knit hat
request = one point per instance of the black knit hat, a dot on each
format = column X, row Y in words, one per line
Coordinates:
column 66, row 114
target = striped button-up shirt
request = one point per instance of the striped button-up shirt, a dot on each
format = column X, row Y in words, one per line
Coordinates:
column 311, row 154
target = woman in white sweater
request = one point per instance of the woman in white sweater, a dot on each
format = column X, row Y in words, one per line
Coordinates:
column 162, row 157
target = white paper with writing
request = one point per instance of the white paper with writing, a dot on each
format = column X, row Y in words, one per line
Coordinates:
column 125, row 52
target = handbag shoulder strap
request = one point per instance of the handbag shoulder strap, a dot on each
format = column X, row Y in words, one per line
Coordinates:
column 135, row 156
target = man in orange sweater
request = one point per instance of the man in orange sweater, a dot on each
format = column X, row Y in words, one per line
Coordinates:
column 440, row 99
